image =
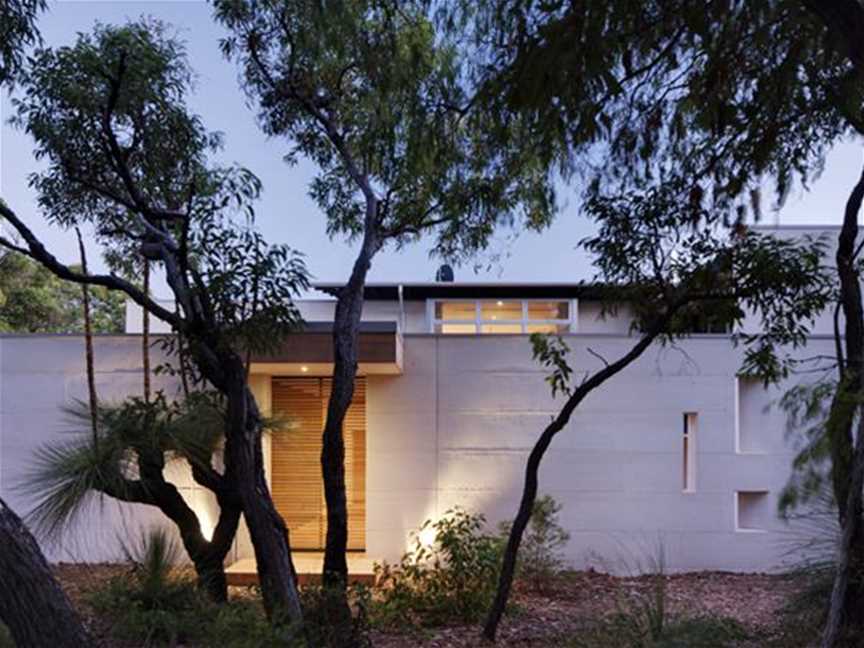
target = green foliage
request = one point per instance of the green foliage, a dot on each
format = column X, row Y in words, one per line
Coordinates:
column 666, row 254
column 68, row 476
column 137, row 77
column 185, row 617
column 540, row 560
column 724, row 93
column 450, row 579
column 642, row 618
column 384, row 105
column 808, row 416
column 805, row 612
column 157, row 603
column 318, row 627
column 629, row 631
column 17, row 32
column 154, row 557
column 551, row 351
column 127, row 156
column 33, row 300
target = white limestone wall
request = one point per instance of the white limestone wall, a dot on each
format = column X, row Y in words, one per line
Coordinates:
column 456, row 428
column 41, row 374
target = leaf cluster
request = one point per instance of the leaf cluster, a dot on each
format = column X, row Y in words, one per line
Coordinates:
column 33, row 300
column 728, row 93
column 383, row 104
column 17, row 32
column 134, row 438
column 453, row 577
column 664, row 253
column 109, row 115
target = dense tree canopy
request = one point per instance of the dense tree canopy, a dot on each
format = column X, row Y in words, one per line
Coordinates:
column 34, row 300
column 731, row 93
column 123, row 154
column 17, row 32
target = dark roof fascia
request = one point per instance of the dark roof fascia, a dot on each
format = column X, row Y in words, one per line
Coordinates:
column 422, row 292
column 308, row 327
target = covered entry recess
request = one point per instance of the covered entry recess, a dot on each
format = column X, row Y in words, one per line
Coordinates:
column 300, row 408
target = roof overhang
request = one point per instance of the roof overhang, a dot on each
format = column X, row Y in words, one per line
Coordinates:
column 309, row 352
column 476, row 290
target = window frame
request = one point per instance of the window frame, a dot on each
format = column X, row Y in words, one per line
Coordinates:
column 478, row 322
column 691, row 430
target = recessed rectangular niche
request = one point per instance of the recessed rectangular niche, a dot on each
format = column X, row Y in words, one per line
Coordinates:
column 751, row 429
column 752, row 511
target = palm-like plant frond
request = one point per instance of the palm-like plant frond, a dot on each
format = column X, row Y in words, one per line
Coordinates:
column 67, row 477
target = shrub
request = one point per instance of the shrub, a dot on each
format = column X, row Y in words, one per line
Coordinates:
column 643, row 620
column 318, row 629
column 158, row 604
column 450, row 578
column 186, row 617
column 626, row 631
column 540, row 554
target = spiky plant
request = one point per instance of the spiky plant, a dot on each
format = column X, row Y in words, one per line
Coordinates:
column 126, row 461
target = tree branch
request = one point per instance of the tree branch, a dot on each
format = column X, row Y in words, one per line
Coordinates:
column 37, row 251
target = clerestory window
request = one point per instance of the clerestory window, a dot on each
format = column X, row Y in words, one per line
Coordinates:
column 497, row 316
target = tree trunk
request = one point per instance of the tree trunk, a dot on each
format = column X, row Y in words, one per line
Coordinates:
column 245, row 469
column 145, row 333
column 847, row 459
column 532, row 470
column 32, row 604
column 88, row 344
column 346, row 336
column 346, row 333
column 843, row 608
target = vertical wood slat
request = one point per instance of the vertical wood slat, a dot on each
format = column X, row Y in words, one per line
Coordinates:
column 298, row 491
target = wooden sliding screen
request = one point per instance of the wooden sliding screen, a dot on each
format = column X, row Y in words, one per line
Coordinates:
column 298, row 489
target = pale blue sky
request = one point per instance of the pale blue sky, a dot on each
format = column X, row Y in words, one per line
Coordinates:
column 287, row 215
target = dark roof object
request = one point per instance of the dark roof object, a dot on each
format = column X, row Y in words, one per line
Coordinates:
column 468, row 290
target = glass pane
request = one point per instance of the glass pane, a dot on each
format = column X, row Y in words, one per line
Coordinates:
column 548, row 310
column 500, row 310
column 456, row 329
column 548, row 328
column 464, row 310
column 501, row 328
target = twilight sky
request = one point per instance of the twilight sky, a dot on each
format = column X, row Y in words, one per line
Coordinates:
column 287, row 215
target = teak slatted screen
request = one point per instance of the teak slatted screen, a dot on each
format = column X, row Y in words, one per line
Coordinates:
column 298, row 490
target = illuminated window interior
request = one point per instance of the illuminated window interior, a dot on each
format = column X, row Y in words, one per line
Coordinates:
column 507, row 316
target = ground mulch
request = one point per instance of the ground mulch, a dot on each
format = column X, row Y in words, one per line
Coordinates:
column 582, row 598
column 541, row 619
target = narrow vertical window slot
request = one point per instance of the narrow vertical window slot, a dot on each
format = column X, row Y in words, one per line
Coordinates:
column 689, row 453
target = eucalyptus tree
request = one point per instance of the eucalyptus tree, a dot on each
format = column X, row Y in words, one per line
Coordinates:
column 32, row 604
column 730, row 94
column 33, row 300
column 671, row 259
column 127, row 157
column 18, row 31
column 383, row 103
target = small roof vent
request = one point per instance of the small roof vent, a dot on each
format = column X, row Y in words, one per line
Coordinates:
column 444, row 274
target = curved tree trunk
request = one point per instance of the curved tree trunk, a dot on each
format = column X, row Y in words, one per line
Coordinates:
column 346, row 336
column 32, row 604
column 847, row 457
column 844, row 609
column 532, row 470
